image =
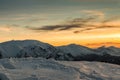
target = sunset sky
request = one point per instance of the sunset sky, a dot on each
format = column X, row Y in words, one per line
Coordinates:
column 91, row 23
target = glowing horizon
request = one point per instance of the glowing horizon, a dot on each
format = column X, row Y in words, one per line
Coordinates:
column 91, row 23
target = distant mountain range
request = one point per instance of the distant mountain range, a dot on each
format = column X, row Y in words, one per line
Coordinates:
column 72, row 52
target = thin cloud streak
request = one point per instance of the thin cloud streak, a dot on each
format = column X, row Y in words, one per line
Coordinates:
column 71, row 24
column 84, row 24
column 99, row 14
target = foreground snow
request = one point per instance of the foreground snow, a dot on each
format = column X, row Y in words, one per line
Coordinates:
column 42, row 69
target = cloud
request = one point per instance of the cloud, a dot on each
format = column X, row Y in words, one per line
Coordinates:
column 88, row 23
column 7, row 28
column 100, row 14
column 56, row 27
column 109, row 1
column 71, row 24
column 10, row 28
column 13, row 18
column 26, row 18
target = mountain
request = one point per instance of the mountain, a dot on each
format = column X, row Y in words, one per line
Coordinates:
column 109, row 50
column 25, row 48
column 76, row 50
column 33, row 48
column 72, row 52
column 44, row 62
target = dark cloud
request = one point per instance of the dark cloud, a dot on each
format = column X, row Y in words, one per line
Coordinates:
column 83, row 24
column 96, row 27
column 56, row 27
column 71, row 24
column 76, row 32
column 103, row 24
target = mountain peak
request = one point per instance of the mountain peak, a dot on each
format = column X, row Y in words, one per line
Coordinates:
column 112, row 47
column 73, row 45
column 27, row 40
column 13, row 47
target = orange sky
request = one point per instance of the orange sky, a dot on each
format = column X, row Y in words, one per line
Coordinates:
column 92, row 38
column 91, row 23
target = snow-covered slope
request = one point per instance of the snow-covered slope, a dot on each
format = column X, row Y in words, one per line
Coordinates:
column 23, row 68
column 72, row 52
column 80, row 53
column 76, row 53
column 109, row 50
column 76, row 50
column 42, row 69
column 24, row 48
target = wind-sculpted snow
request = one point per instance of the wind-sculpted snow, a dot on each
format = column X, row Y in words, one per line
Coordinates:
column 43, row 69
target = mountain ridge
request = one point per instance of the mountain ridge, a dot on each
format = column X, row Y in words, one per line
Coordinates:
column 71, row 52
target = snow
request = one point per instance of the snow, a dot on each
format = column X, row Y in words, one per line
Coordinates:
column 109, row 50
column 76, row 50
column 42, row 69
column 33, row 48
column 35, row 60
column 13, row 48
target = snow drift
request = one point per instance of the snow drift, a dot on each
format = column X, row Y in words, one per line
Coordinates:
column 43, row 69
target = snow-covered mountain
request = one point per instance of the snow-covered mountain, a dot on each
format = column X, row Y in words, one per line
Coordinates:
column 76, row 50
column 33, row 48
column 72, row 52
column 50, row 67
column 109, row 50
column 25, row 48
